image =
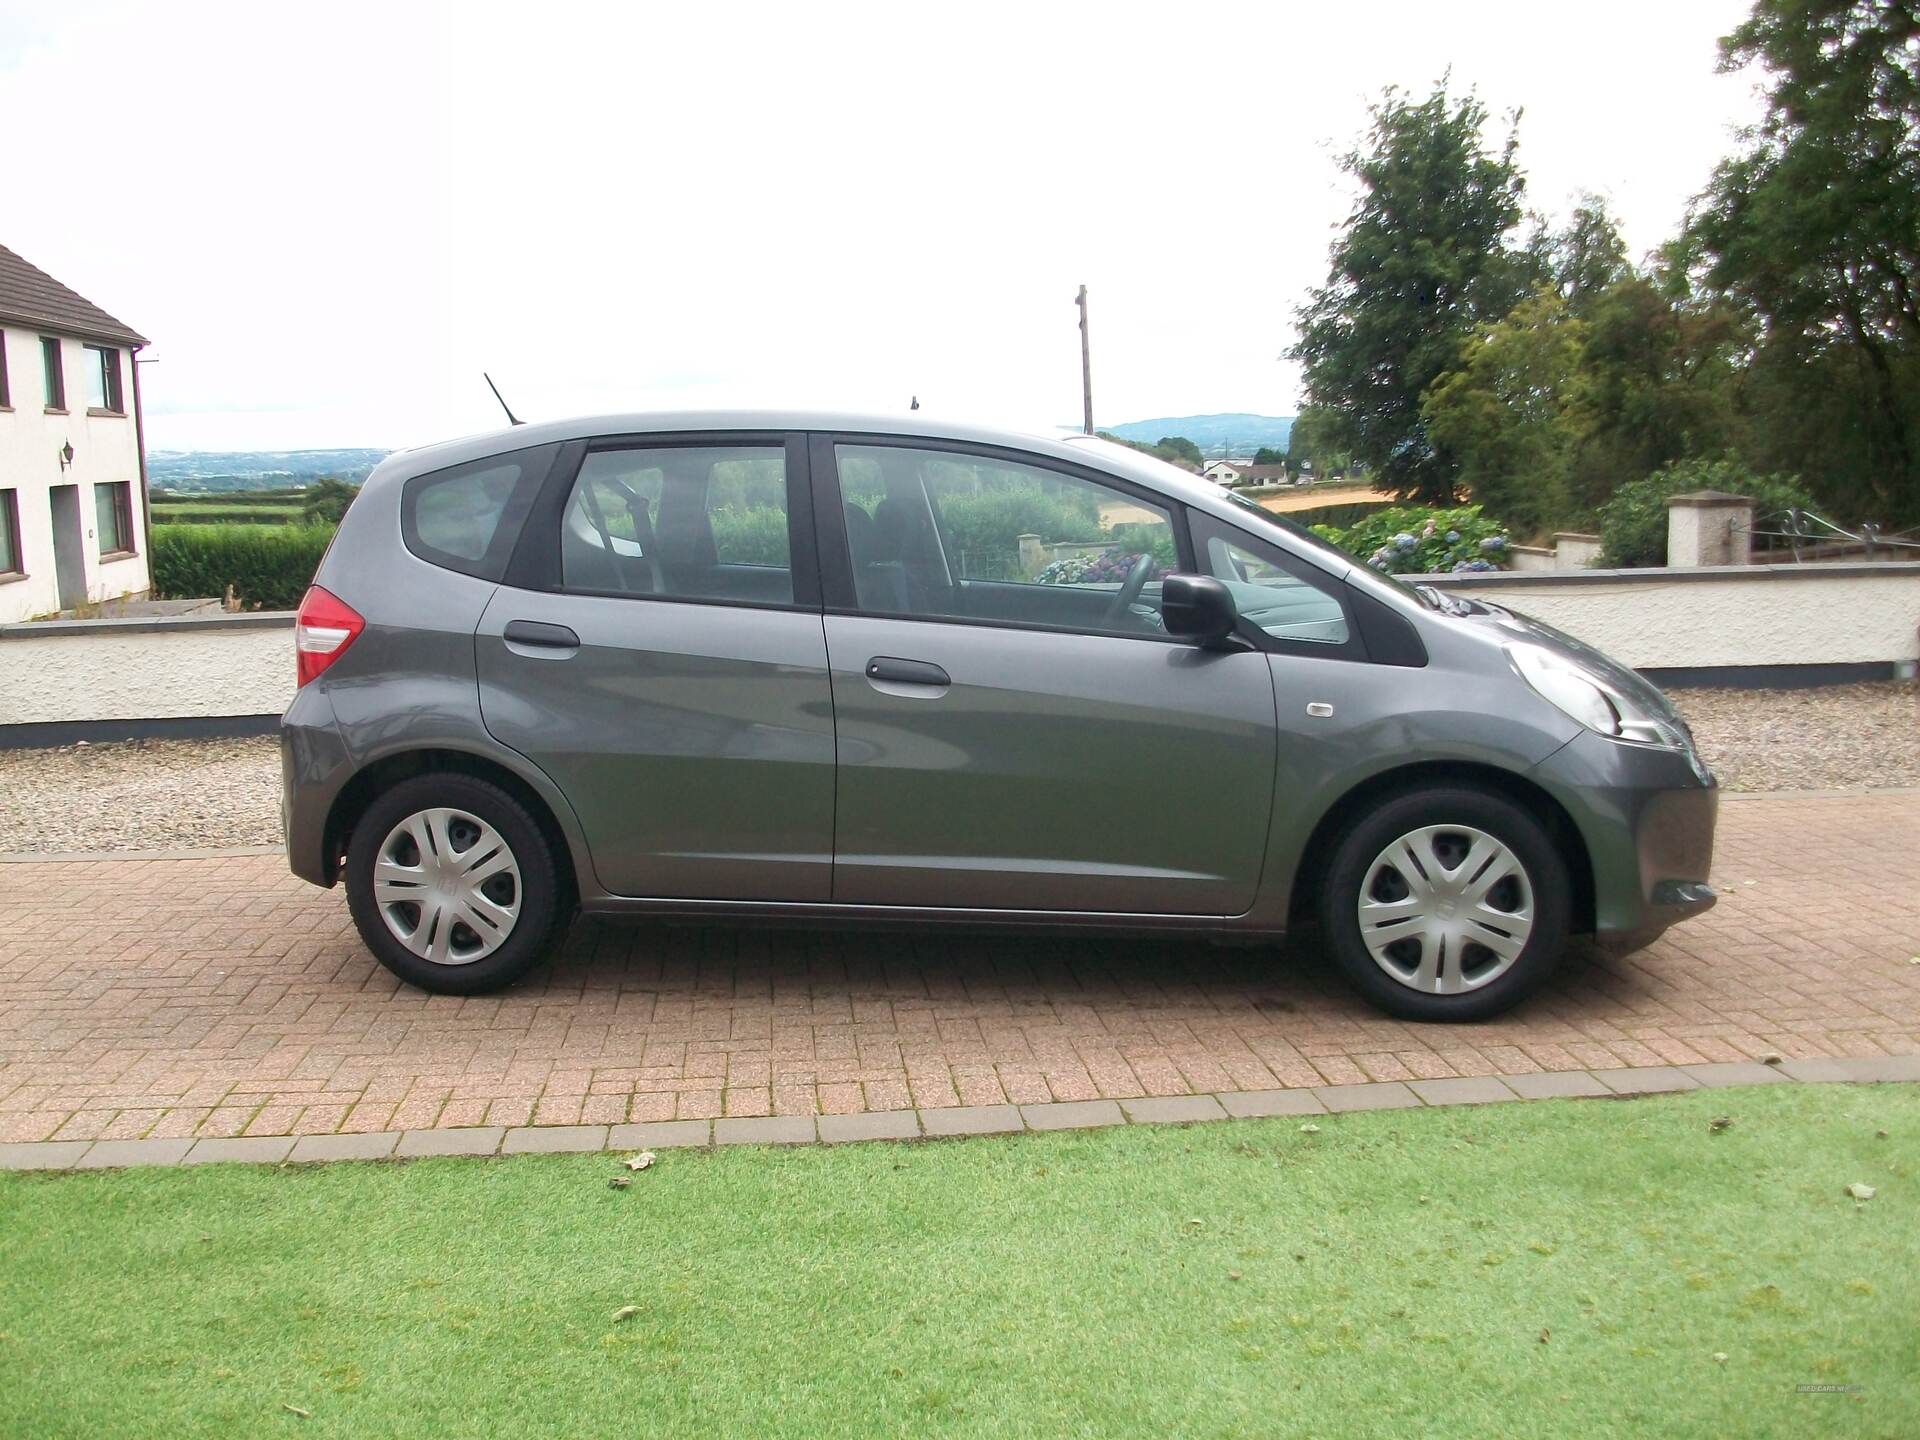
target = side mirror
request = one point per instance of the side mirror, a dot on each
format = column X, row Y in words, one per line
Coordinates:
column 1197, row 608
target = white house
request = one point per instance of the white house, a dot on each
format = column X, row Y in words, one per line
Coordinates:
column 74, row 527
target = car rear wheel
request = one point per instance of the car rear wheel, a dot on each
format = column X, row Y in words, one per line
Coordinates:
column 1446, row 904
column 452, row 885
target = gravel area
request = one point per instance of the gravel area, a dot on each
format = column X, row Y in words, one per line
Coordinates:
column 140, row 795
column 1836, row 737
column 172, row 794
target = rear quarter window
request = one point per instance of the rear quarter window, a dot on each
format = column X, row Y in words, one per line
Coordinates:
column 468, row 517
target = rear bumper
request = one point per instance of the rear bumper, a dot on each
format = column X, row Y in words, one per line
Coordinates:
column 314, row 766
column 1647, row 818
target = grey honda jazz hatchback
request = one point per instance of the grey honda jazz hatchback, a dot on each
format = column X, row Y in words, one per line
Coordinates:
column 841, row 669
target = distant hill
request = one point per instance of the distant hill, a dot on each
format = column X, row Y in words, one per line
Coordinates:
column 233, row 471
column 1214, row 434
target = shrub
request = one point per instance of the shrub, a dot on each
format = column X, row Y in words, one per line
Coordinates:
column 268, row 566
column 1423, row 540
column 1633, row 524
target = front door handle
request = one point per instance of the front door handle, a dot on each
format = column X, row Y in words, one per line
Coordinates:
column 541, row 634
column 907, row 672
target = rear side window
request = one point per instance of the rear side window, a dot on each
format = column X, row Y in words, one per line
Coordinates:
column 468, row 518
column 688, row 522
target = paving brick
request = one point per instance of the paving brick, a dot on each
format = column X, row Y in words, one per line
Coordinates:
column 467, row 1140
column 1172, row 1109
column 42, row 1154
column 660, row 1134
column 293, row 1029
column 253, row 1149
column 554, row 1139
column 1072, row 1115
column 1251, row 1104
column 1463, row 1090
column 764, row 1130
column 870, row 1125
column 1379, row 1095
column 972, row 1120
column 1555, row 1085
column 373, row 1145
column 111, row 1154
column 1646, row 1080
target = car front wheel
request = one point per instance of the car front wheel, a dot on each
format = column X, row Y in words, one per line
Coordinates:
column 1446, row 904
column 452, row 885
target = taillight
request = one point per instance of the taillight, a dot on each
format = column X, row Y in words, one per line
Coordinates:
column 322, row 630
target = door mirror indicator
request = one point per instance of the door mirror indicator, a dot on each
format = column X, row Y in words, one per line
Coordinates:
column 1197, row 608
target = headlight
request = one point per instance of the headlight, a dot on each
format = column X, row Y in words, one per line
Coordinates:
column 1591, row 700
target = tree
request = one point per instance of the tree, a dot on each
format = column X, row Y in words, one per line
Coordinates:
column 1815, row 226
column 1586, row 258
column 1511, row 413
column 327, row 499
column 1178, row 446
column 1424, row 257
column 1267, row 455
column 1317, row 442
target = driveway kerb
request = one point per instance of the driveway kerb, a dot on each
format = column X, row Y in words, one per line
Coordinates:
column 950, row 1121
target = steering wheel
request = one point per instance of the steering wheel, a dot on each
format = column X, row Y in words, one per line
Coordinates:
column 1130, row 588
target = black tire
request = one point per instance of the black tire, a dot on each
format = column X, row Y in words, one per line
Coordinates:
column 1362, row 842
column 539, row 915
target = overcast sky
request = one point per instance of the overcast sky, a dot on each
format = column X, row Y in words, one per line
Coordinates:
column 331, row 218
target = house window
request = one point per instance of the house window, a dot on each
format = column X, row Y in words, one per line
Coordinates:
column 113, row 517
column 11, row 565
column 6, row 395
column 56, row 377
column 103, row 379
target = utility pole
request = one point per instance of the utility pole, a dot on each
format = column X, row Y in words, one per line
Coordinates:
column 1086, row 361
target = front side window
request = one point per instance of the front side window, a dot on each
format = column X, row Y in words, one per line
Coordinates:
column 1269, row 588
column 954, row 534
column 689, row 522
column 103, row 378
column 56, row 377
column 113, row 517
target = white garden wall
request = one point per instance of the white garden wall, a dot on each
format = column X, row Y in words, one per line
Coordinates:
column 177, row 671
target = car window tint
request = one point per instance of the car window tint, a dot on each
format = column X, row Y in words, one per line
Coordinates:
column 953, row 534
column 680, row 522
column 1273, row 597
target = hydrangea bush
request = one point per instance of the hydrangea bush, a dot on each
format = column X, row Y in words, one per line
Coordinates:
column 1423, row 540
column 1105, row 568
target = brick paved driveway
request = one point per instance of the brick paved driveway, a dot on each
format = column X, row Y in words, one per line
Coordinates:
column 222, row 997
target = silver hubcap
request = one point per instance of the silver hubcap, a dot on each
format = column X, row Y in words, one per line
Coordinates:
column 448, row 886
column 1446, row 909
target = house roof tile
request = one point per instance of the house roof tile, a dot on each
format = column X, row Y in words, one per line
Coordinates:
column 31, row 296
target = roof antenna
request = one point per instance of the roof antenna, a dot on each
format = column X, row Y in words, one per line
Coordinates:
column 512, row 419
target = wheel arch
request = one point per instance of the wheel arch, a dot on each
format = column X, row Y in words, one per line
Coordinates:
column 382, row 774
column 1376, row 789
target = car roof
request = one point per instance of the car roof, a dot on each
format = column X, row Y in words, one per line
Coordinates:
column 1072, row 447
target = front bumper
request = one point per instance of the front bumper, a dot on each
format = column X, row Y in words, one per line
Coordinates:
column 1647, row 818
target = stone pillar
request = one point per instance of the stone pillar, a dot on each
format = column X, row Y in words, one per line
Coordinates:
column 1033, row 556
column 1574, row 550
column 1709, row 527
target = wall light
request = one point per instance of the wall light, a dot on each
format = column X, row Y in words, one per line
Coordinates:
column 66, row 455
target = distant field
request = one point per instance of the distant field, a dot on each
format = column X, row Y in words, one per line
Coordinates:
column 278, row 509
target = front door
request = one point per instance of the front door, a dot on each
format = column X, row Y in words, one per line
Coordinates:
column 69, row 546
column 670, row 673
column 1015, row 729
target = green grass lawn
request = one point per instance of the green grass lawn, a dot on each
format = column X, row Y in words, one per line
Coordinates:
column 1572, row 1268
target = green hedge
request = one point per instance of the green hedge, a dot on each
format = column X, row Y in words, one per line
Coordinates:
column 1633, row 524
column 268, row 566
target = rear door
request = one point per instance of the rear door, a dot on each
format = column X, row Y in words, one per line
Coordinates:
column 657, row 650
column 1016, row 731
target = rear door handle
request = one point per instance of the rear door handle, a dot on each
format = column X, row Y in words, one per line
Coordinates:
column 541, row 634
column 907, row 672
